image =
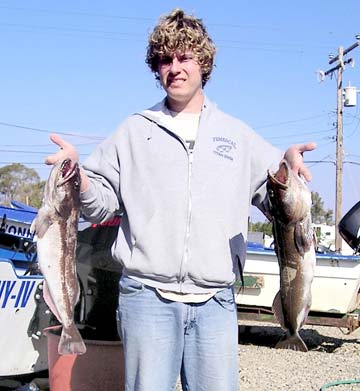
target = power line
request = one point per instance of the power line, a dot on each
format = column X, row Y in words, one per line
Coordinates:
column 355, row 129
column 79, row 13
column 285, row 46
column 351, row 154
column 25, row 163
column 45, row 145
column 291, row 121
column 32, row 152
column 70, row 29
column 319, row 161
column 301, row 134
column 132, row 18
column 50, row 131
column 352, row 162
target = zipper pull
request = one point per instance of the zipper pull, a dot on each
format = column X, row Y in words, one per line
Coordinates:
column 191, row 156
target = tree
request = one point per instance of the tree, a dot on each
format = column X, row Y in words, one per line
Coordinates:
column 265, row 227
column 318, row 213
column 20, row 183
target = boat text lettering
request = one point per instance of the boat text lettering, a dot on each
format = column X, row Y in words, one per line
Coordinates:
column 15, row 294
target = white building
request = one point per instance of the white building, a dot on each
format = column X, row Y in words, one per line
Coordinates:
column 326, row 237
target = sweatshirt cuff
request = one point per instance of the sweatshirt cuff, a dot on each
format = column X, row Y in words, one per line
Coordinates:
column 88, row 195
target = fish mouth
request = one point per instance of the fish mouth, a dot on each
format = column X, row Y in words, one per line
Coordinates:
column 281, row 177
column 65, row 167
column 67, row 170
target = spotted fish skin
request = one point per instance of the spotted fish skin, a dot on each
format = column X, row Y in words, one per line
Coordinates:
column 290, row 206
column 56, row 230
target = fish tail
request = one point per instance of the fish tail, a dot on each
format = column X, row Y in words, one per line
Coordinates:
column 293, row 342
column 71, row 341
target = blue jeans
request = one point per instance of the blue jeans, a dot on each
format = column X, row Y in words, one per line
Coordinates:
column 163, row 339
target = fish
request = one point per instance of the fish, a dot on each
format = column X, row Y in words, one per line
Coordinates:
column 294, row 240
column 55, row 227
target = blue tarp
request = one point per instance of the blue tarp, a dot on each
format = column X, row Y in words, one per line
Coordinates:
column 14, row 255
column 253, row 247
column 22, row 206
column 19, row 215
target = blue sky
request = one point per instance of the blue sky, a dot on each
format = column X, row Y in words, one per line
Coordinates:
column 78, row 68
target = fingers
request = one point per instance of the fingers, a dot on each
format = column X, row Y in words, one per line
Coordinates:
column 304, row 171
column 53, row 159
column 294, row 156
column 57, row 140
column 66, row 150
column 297, row 150
column 305, row 147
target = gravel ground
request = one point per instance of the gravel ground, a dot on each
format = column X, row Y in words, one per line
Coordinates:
column 332, row 356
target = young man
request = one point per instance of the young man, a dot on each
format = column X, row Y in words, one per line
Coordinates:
column 183, row 174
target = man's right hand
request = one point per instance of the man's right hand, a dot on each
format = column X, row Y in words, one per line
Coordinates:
column 66, row 150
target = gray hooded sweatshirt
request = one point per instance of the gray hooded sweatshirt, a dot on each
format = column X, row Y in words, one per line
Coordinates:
column 185, row 214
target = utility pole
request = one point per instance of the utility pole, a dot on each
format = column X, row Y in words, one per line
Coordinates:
column 339, row 152
column 340, row 67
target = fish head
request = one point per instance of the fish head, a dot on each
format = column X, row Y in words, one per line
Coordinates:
column 289, row 196
column 63, row 186
column 69, row 175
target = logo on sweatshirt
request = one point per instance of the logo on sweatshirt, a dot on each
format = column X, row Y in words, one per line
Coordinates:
column 223, row 147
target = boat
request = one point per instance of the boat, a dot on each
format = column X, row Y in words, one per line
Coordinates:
column 24, row 314
column 335, row 288
column 22, row 310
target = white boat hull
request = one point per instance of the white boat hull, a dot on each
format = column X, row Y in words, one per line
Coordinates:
column 25, row 346
column 335, row 288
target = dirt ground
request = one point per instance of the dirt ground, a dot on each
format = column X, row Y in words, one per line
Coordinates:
column 333, row 357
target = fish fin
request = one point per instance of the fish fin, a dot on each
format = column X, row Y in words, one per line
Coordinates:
column 303, row 236
column 278, row 311
column 71, row 341
column 293, row 342
column 50, row 302
column 63, row 210
column 41, row 223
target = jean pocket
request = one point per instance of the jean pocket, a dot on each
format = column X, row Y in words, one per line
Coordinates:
column 130, row 287
column 226, row 299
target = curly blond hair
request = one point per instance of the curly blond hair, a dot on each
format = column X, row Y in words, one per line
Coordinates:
column 178, row 33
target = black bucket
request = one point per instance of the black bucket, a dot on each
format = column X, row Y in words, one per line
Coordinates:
column 349, row 227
